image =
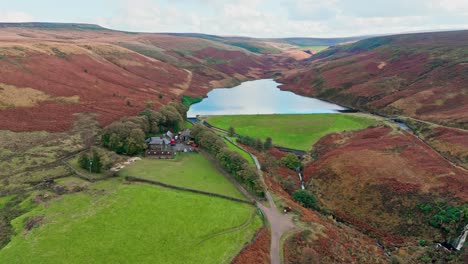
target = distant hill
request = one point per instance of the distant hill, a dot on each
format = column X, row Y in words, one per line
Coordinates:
column 421, row 75
column 256, row 44
column 318, row 41
column 45, row 25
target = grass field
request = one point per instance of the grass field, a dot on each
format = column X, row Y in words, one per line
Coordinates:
column 292, row 131
column 240, row 151
column 189, row 170
column 113, row 222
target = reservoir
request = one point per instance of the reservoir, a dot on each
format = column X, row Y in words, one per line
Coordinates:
column 259, row 97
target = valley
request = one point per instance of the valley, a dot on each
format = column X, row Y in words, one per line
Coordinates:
column 373, row 192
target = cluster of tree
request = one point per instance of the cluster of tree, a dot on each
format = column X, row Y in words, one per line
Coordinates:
column 231, row 132
column 449, row 218
column 169, row 117
column 305, row 198
column 90, row 162
column 127, row 136
column 291, row 161
column 230, row 160
column 255, row 143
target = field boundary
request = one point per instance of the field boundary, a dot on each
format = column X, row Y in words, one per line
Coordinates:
column 216, row 128
column 297, row 152
column 136, row 179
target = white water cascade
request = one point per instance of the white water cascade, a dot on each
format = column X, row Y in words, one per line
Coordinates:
column 300, row 177
column 461, row 240
column 302, row 182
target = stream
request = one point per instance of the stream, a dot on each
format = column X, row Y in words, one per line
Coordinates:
column 299, row 173
column 400, row 123
column 461, row 239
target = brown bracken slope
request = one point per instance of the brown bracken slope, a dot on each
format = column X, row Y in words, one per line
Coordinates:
column 381, row 179
column 424, row 76
column 83, row 69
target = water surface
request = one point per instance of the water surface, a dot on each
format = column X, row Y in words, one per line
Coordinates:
column 259, row 97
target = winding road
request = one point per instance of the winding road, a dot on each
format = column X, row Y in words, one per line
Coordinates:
column 279, row 223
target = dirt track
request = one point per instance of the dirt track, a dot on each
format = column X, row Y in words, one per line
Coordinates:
column 279, row 224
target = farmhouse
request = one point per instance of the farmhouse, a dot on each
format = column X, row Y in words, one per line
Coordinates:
column 159, row 147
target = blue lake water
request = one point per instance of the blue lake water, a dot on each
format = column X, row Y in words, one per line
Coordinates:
column 259, row 97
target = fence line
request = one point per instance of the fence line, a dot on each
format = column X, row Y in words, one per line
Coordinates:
column 136, row 179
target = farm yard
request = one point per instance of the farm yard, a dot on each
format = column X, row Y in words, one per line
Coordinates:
column 297, row 131
column 134, row 221
column 189, row 170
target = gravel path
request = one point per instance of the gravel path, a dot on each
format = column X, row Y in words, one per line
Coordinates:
column 280, row 223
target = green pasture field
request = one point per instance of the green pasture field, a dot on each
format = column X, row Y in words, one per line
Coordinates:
column 297, row 131
column 113, row 222
column 190, row 170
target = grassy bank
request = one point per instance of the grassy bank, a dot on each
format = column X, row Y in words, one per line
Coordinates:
column 188, row 101
column 244, row 154
column 292, row 131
